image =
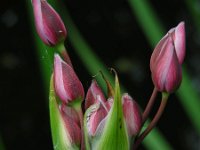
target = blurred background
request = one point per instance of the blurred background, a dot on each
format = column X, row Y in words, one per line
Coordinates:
column 114, row 33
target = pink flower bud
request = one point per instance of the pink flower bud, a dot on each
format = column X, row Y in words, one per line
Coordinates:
column 132, row 114
column 93, row 92
column 72, row 124
column 98, row 110
column 166, row 60
column 67, row 85
column 97, row 117
column 49, row 25
column 166, row 69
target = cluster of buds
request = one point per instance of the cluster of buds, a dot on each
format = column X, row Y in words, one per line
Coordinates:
column 96, row 121
column 99, row 111
column 101, row 115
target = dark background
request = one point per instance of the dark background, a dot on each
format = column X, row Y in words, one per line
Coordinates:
column 113, row 32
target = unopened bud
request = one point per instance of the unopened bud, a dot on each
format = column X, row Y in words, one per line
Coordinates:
column 67, row 85
column 49, row 25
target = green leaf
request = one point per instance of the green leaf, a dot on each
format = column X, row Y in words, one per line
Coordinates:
column 115, row 135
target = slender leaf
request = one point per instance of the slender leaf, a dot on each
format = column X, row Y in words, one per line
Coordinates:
column 115, row 136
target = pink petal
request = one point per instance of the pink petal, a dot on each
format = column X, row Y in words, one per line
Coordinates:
column 39, row 20
column 178, row 35
column 132, row 115
column 166, row 73
column 49, row 25
column 67, row 85
column 93, row 92
column 179, row 41
column 95, row 117
column 72, row 127
column 70, row 111
column 157, row 51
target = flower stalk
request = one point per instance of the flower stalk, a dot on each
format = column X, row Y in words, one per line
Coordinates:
column 150, row 104
column 153, row 123
column 62, row 51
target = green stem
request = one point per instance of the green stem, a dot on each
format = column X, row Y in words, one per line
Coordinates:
column 63, row 53
column 154, row 121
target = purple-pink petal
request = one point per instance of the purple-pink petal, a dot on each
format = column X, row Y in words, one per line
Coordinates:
column 166, row 73
column 167, row 58
column 132, row 115
column 67, row 85
column 179, row 41
column 49, row 25
column 95, row 117
column 72, row 126
column 93, row 92
column 157, row 51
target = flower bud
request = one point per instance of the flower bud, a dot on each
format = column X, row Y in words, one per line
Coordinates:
column 97, row 108
column 49, row 25
column 96, row 118
column 166, row 60
column 132, row 114
column 67, row 85
column 117, row 119
column 93, row 92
